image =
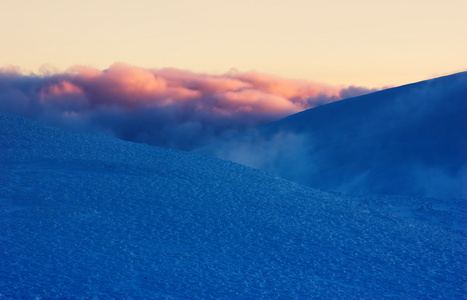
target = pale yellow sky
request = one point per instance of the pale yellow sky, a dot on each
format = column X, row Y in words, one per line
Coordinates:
column 372, row 43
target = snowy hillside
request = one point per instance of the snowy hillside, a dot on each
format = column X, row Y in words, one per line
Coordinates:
column 86, row 215
column 408, row 140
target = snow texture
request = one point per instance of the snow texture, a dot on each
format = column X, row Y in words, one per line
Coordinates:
column 88, row 216
column 408, row 140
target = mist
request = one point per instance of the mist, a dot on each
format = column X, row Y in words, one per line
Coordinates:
column 408, row 140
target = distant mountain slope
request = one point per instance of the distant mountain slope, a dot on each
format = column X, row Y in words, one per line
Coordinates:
column 406, row 140
column 85, row 215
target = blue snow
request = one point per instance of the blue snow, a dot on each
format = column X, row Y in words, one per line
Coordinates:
column 86, row 216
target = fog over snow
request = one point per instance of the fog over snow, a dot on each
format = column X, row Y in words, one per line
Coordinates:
column 164, row 107
column 407, row 140
column 85, row 215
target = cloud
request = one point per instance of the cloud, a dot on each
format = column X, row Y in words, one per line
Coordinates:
column 354, row 91
column 165, row 107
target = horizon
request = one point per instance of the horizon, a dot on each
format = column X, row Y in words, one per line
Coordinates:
column 171, row 107
column 182, row 74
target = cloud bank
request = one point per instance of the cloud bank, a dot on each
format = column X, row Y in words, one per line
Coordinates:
column 164, row 107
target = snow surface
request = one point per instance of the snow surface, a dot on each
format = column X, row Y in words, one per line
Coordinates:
column 408, row 140
column 84, row 215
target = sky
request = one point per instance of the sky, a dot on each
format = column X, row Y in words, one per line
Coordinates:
column 338, row 42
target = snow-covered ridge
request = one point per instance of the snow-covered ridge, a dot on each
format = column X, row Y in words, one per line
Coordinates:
column 85, row 215
column 407, row 140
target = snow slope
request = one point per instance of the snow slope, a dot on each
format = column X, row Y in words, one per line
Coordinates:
column 407, row 140
column 85, row 215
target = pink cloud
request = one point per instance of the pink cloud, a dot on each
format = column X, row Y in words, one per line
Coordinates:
column 289, row 89
column 202, row 82
column 59, row 89
column 254, row 100
column 167, row 107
